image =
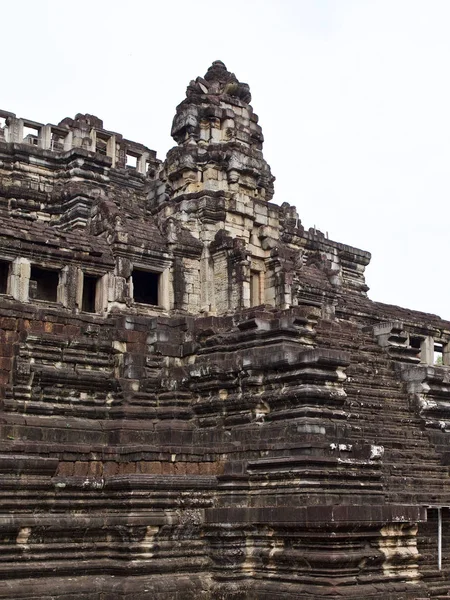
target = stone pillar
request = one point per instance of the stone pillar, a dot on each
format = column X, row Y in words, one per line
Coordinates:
column 221, row 280
column 111, row 149
column 141, row 163
column 93, row 140
column 68, row 141
column 163, row 290
column 15, row 130
column 446, row 354
column 255, row 288
column 427, row 351
column 114, row 286
column 207, row 300
column 62, row 292
column 45, row 137
column 19, row 279
column 69, row 286
column 245, row 301
column 79, row 289
column 101, row 293
column 240, row 277
column 120, row 287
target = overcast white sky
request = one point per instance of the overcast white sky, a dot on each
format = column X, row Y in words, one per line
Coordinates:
column 353, row 98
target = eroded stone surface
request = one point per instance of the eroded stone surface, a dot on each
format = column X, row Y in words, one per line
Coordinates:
column 199, row 400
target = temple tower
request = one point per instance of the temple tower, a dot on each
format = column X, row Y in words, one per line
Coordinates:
column 219, row 140
column 216, row 183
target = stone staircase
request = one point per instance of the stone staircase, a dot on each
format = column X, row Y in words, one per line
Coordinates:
column 413, row 472
column 381, row 415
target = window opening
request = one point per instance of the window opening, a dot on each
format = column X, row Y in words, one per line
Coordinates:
column 2, row 122
column 89, row 293
column 415, row 342
column 57, row 143
column 4, row 273
column 31, row 135
column 131, row 161
column 145, row 287
column 101, row 145
column 438, row 357
column 44, row 284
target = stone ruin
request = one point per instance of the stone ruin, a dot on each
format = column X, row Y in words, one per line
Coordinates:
column 198, row 399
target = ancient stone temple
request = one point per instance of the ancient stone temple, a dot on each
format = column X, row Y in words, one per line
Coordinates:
column 198, row 398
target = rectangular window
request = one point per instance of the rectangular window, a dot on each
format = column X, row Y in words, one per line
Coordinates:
column 438, row 355
column 131, row 160
column 101, row 146
column 57, row 143
column 415, row 342
column 44, row 284
column 145, row 287
column 31, row 135
column 88, row 303
column 4, row 274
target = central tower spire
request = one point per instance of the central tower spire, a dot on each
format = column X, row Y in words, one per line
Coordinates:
column 219, row 140
column 212, row 197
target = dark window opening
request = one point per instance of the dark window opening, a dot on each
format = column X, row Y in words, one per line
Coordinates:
column 4, row 273
column 145, row 287
column 438, row 357
column 89, row 293
column 44, row 284
column 415, row 342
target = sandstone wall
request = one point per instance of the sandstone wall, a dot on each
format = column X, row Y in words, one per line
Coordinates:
column 198, row 399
